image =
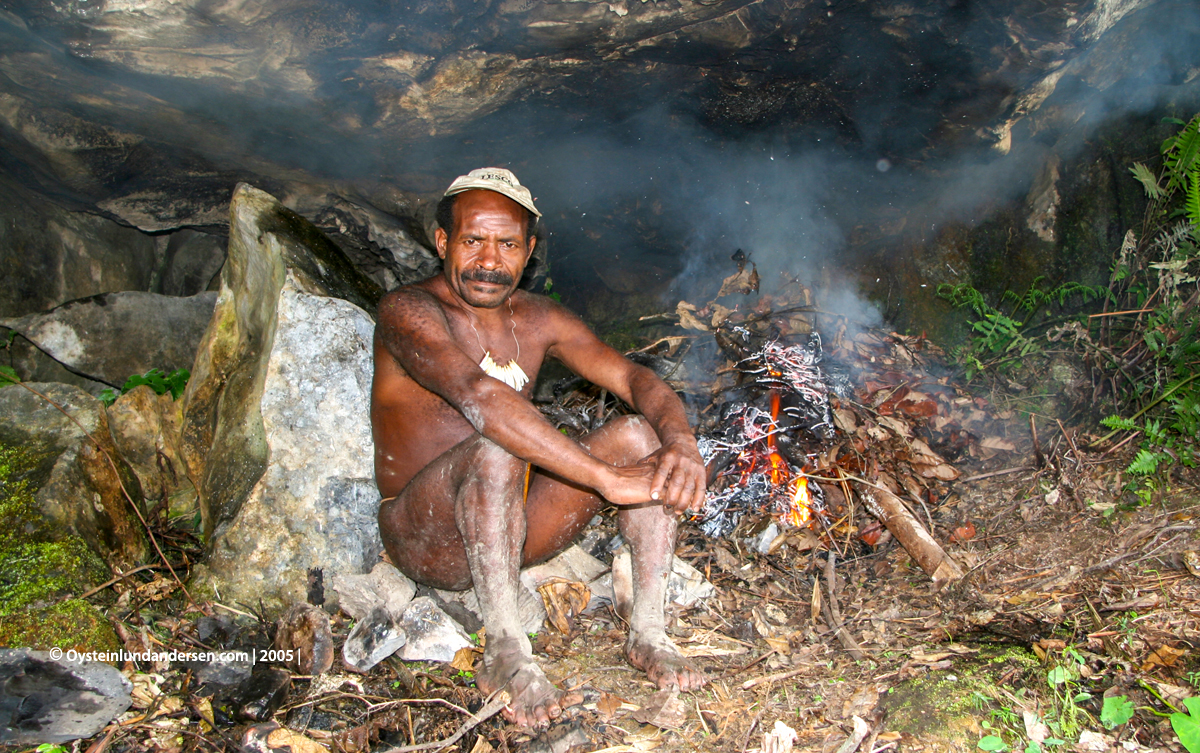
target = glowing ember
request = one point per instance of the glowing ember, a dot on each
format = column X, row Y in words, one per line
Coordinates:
column 779, row 471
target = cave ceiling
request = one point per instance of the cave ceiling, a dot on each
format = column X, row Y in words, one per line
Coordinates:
column 148, row 112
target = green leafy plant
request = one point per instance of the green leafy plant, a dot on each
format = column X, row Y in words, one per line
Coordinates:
column 155, row 379
column 1157, row 359
column 1187, row 726
column 8, row 376
column 1065, row 717
column 1116, row 711
column 50, row 748
column 999, row 339
column 992, row 743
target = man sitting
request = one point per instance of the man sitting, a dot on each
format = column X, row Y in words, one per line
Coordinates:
column 476, row 483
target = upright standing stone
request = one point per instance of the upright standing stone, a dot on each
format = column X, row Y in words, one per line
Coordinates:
column 276, row 431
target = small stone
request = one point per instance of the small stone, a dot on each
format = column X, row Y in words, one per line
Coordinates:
column 217, row 676
column 373, row 639
column 263, row 694
column 359, row 595
column 43, row 700
column 432, row 634
column 762, row 542
column 304, row 631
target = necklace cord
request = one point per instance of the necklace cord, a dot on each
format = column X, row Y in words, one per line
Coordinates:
column 511, row 374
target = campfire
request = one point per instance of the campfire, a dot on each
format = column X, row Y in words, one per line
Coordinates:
column 747, row 472
column 807, row 418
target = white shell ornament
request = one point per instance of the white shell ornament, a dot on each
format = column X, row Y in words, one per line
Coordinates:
column 511, row 373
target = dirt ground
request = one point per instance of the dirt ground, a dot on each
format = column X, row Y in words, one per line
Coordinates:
column 1068, row 597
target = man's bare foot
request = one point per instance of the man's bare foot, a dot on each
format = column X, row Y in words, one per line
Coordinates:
column 534, row 700
column 658, row 657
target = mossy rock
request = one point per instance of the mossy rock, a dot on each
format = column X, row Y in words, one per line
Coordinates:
column 944, row 709
column 72, row 624
column 38, row 572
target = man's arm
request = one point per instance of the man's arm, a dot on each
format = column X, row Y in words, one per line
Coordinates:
column 680, row 478
column 415, row 331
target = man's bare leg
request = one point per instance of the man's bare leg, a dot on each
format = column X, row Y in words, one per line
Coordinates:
column 650, row 532
column 460, row 519
column 651, row 535
column 491, row 516
column 486, row 491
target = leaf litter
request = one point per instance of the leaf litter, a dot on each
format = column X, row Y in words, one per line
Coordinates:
column 825, row 616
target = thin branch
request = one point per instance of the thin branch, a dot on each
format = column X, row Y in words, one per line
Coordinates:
column 490, row 709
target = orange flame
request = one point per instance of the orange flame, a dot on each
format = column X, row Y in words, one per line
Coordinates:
column 779, row 469
column 800, row 512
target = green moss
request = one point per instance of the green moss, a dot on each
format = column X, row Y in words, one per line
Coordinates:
column 73, row 623
column 37, row 571
column 938, row 709
column 34, row 574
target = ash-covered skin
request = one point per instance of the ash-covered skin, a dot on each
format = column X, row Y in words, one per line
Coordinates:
column 453, row 447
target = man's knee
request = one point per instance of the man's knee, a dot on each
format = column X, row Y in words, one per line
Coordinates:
column 635, row 434
column 491, row 460
column 484, row 452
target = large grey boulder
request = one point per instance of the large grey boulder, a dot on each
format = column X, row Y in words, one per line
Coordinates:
column 276, row 422
column 112, row 336
column 74, row 484
column 316, row 504
column 224, row 442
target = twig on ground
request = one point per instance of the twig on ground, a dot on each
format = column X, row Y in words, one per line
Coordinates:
column 1038, row 457
column 231, row 609
column 1005, row 472
column 490, row 709
column 744, row 667
column 775, row 677
column 111, row 581
column 833, row 614
column 750, row 731
column 102, row 744
column 373, row 707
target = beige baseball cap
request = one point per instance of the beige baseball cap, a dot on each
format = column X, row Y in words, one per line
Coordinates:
column 495, row 179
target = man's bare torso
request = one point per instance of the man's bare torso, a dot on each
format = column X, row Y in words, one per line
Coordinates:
column 412, row 425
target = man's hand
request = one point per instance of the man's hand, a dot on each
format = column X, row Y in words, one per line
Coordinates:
column 674, row 476
column 680, row 477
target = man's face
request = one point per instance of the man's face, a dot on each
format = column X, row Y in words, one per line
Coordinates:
column 486, row 252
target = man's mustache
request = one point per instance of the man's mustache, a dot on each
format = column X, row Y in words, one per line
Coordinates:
column 492, row 277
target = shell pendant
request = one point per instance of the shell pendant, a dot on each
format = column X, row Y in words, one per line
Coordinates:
column 511, row 373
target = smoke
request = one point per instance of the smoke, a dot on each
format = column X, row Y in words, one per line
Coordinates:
column 649, row 187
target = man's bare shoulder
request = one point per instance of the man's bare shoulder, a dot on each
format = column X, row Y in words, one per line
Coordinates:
column 419, row 300
column 549, row 312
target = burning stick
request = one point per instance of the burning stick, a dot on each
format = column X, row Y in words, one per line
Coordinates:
column 913, row 536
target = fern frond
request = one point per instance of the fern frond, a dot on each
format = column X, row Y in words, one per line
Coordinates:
column 1191, row 201
column 1145, row 463
column 1148, row 180
column 1182, row 154
column 1120, row 423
